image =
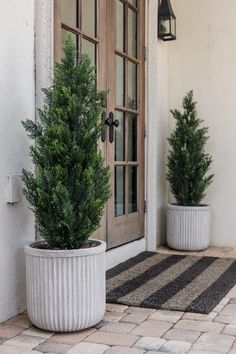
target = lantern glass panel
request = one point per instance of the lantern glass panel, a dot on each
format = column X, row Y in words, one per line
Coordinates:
column 173, row 26
column 164, row 25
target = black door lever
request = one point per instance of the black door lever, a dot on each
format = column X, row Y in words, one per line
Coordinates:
column 111, row 122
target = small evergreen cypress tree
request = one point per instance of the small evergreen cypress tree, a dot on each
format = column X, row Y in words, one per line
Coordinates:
column 188, row 163
column 71, row 184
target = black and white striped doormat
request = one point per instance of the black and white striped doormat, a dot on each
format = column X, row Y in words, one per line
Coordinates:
column 171, row 282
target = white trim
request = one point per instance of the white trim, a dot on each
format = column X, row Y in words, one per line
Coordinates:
column 157, row 113
column 151, row 124
column 43, row 52
column 123, row 253
column 43, row 46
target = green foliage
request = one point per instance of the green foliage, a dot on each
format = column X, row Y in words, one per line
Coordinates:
column 71, row 184
column 188, row 163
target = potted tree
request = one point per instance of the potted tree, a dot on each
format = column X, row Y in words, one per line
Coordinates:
column 188, row 221
column 66, row 270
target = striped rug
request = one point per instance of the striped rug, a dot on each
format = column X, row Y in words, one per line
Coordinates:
column 171, row 282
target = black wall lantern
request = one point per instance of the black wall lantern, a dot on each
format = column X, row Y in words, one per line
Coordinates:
column 166, row 21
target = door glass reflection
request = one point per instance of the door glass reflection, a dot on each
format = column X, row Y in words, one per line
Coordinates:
column 132, row 33
column 120, row 25
column 89, row 17
column 64, row 36
column 69, row 13
column 132, row 85
column 119, row 190
column 120, row 73
column 90, row 49
column 132, row 137
column 120, row 137
column 132, row 196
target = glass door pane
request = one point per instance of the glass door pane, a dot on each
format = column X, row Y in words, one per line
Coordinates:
column 120, row 81
column 132, row 137
column 119, row 190
column 89, row 17
column 120, row 137
column 132, row 203
column 132, row 33
column 132, row 85
column 65, row 34
column 120, row 26
column 69, row 13
column 90, row 49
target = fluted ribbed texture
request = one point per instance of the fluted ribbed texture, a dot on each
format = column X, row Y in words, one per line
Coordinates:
column 65, row 294
column 188, row 228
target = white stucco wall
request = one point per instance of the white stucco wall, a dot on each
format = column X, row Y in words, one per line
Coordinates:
column 16, row 104
column 157, row 129
column 204, row 59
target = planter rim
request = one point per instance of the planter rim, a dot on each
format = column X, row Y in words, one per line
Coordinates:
column 37, row 252
column 188, row 208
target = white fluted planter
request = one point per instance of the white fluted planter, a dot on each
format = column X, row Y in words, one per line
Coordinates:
column 188, row 228
column 66, row 288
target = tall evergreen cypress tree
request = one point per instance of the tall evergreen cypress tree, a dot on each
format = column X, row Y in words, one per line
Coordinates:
column 71, row 184
column 188, row 163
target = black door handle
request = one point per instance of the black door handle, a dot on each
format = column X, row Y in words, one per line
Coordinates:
column 111, row 122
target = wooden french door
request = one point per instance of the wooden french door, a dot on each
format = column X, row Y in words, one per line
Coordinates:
column 112, row 33
column 125, row 156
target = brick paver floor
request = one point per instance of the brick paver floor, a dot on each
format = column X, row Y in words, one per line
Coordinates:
column 130, row 330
